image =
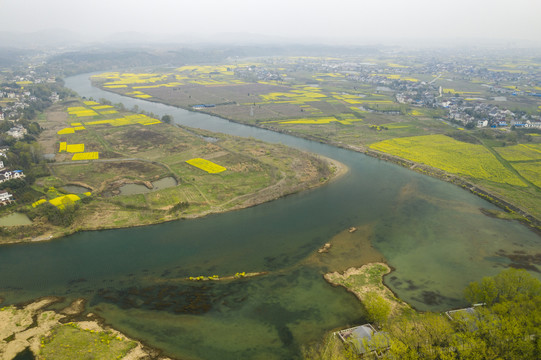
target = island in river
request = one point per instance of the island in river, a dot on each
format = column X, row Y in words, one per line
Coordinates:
column 115, row 169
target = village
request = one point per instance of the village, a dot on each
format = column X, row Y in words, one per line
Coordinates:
column 23, row 96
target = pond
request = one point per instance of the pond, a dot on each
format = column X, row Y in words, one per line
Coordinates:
column 134, row 189
column 15, row 219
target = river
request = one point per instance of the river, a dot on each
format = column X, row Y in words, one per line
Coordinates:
column 433, row 233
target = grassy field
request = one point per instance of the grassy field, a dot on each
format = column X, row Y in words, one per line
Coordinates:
column 210, row 176
column 68, row 341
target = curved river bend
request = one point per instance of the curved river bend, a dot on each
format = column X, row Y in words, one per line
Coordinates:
column 431, row 232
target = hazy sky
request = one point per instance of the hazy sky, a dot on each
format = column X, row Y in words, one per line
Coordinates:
column 315, row 19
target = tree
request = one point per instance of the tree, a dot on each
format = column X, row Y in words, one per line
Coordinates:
column 168, row 119
column 506, row 286
column 377, row 307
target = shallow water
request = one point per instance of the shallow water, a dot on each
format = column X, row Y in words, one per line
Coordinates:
column 75, row 189
column 15, row 219
column 433, row 233
column 134, row 189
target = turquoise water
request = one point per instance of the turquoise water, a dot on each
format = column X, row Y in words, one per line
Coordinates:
column 431, row 232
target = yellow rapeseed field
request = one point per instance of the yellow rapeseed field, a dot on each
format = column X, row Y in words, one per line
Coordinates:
column 86, row 156
column 206, row 165
column 320, row 121
column 39, row 202
column 61, row 201
column 75, row 148
column 66, row 131
column 521, row 152
column 450, row 155
column 530, row 170
column 63, row 147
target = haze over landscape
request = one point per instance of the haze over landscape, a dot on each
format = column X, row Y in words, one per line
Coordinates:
column 332, row 22
column 280, row 180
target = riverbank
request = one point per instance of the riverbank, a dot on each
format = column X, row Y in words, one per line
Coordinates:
column 41, row 231
column 256, row 172
column 67, row 333
column 508, row 206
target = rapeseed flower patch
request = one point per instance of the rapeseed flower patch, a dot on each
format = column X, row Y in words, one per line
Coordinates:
column 76, row 124
column 321, row 121
column 101, row 107
column 39, row 202
column 530, row 170
column 86, row 156
column 61, row 201
column 521, row 152
column 63, row 147
column 75, row 148
column 90, row 103
column 65, row 131
column 76, row 108
column 206, row 165
column 450, row 155
column 108, row 112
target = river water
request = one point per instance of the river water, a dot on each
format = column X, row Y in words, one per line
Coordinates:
column 433, row 233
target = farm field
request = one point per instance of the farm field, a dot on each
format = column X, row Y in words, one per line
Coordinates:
column 336, row 107
column 445, row 153
column 322, row 106
column 121, row 160
column 477, row 164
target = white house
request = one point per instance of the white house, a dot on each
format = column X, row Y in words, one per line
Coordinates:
column 5, row 197
column 10, row 175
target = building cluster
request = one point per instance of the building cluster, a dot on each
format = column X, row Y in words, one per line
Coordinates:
column 463, row 109
column 6, row 175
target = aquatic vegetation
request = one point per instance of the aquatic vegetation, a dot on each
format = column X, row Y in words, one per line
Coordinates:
column 450, row 155
column 206, row 165
column 86, row 156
